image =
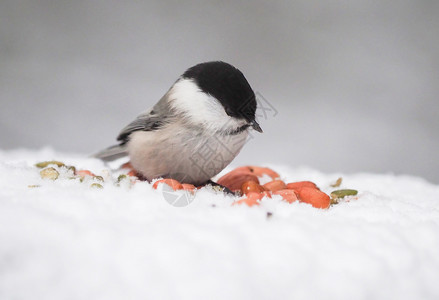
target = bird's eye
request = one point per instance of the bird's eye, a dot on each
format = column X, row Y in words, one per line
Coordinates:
column 228, row 111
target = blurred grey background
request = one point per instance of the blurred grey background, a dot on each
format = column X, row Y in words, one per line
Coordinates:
column 355, row 83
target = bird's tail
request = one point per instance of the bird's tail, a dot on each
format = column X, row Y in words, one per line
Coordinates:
column 112, row 153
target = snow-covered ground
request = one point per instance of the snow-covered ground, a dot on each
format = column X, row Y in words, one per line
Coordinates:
column 65, row 240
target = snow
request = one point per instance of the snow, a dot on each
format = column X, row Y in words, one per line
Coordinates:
column 65, row 240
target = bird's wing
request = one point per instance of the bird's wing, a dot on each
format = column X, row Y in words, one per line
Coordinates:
column 111, row 153
column 150, row 120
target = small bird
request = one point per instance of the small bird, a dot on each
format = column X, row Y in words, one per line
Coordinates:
column 195, row 130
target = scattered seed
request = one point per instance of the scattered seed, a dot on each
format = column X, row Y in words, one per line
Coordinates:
column 251, row 187
column 71, row 168
column 337, row 182
column 275, row 185
column 96, row 186
column 49, row 173
column 33, row 186
column 339, row 194
column 44, row 164
column 121, row 177
column 334, row 201
column 100, row 178
column 217, row 188
column 301, row 184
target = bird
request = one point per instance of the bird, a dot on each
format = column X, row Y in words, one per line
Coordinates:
column 195, row 130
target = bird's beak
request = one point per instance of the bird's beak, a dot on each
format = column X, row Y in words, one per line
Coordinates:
column 256, row 126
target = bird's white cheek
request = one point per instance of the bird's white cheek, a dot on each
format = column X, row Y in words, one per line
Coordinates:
column 201, row 108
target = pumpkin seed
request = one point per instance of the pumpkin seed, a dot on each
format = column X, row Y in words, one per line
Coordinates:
column 339, row 194
column 49, row 173
column 44, row 164
column 96, row 186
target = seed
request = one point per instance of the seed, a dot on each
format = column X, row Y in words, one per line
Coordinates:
column 261, row 171
column 96, row 186
column 288, row 195
column 83, row 173
column 121, row 177
column 251, row 199
column 301, row 184
column 174, row 184
column 71, row 168
column 49, row 173
column 314, row 197
column 334, row 201
column 339, row 194
column 100, row 178
column 44, row 164
column 234, row 179
column 275, row 185
column 251, row 187
column 337, row 183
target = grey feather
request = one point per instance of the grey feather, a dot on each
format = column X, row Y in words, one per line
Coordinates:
column 151, row 120
column 111, row 153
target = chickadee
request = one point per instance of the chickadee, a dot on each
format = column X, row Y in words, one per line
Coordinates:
column 195, row 130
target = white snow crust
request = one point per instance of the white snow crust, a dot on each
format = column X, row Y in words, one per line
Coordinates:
column 65, row 240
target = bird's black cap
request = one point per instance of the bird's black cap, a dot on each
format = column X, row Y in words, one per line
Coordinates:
column 227, row 84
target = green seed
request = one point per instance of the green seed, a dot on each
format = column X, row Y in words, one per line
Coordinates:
column 96, row 186
column 121, row 177
column 49, row 173
column 44, row 164
column 339, row 194
column 100, row 178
